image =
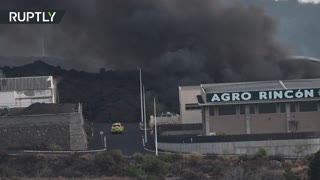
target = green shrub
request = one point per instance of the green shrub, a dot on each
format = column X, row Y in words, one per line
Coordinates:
column 110, row 163
column 8, row 173
column 212, row 156
column 3, row 157
column 117, row 156
column 69, row 160
column 314, row 167
column 170, row 157
column 217, row 170
column 28, row 165
column 70, row 172
column 245, row 157
column 194, row 159
column 190, row 174
column 28, row 158
column 137, row 158
column 152, row 164
column 250, row 173
column 289, row 175
column 134, row 171
column 176, row 157
column 277, row 157
column 205, row 166
column 54, row 147
column 260, row 154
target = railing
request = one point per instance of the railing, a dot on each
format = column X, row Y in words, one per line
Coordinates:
column 179, row 127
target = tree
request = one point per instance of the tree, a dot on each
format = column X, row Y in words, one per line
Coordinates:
column 314, row 167
column 289, row 174
column 299, row 149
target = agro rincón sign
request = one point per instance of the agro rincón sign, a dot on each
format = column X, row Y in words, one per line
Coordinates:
column 263, row 95
column 31, row 17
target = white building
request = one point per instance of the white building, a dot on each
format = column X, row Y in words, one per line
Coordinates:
column 190, row 110
column 24, row 91
column 253, row 107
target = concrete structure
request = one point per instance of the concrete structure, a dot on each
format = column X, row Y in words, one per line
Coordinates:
column 251, row 109
column 190, row 111
column 42, row 126
column 287, row 148
column 24, row 91
column 257, row 107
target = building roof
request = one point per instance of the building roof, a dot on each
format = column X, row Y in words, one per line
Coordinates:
column 25, row 83
column 261, row 85
column 189, row 88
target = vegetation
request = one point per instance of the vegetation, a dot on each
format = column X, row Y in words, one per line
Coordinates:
column 138, row 166
column 314, row 167
column 261, row 154
column 289, row 174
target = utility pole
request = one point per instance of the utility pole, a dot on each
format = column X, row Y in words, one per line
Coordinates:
column 155, row 125
column 144, row 115
column 105, row 142
column 92, row 132
column 102, row 141
column 43, row 50
column 141, row 95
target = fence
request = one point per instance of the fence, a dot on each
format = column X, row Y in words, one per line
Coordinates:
column 237, row 138
column 286, row 144
column 179, row 127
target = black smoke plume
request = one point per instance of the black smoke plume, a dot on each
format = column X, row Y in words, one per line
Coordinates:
column 175, row 42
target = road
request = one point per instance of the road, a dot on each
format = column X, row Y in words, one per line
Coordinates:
column 129, row 142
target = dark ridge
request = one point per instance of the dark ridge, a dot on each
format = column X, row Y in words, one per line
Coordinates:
column 107, row 96
column 42, row 108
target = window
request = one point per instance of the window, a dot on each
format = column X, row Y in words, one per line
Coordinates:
column 227, row 110
column 307, row 106
column 4, row 82
column 211, row 111
column 267, row 108
column 192, row 107
column 293, row 125
column 293, row 107
column 252, row 108
column 283, row 107
column 243, row 108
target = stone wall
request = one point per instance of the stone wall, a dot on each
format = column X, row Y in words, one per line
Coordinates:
column 38, row 131
column 78, row 136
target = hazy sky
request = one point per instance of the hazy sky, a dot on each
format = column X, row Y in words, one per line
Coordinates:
column 310, row 1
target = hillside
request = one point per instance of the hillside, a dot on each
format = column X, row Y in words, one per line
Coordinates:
column 107, row 96
column 114, row 165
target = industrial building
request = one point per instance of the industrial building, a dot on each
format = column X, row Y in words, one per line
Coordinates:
column 253, row 107
column 281, row 117
column 24, row 91
column 190, row 111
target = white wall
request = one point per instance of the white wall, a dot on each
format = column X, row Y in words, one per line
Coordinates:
column 25, row 98
column 7, row 98
column 286, row 148
column 188, row 95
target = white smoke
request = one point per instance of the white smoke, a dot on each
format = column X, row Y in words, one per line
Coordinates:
column 309, row 1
